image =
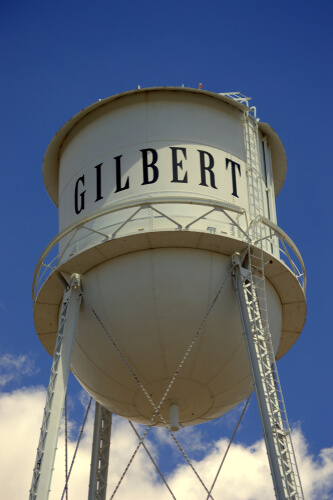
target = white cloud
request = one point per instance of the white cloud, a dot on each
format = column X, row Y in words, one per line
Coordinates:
column 245, row 474
column 12, row 368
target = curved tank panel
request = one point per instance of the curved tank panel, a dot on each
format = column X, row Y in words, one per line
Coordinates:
column 152, row 304
column 156, row 190
column 151, row 145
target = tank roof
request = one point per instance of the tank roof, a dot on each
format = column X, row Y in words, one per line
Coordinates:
column 51, row 158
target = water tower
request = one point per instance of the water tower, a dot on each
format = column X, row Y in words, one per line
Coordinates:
column 170, row 290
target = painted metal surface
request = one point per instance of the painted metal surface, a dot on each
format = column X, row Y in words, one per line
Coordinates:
column 155, row 144
column 250, row 288
column 42, row 474
column 151, row 270
column 51, row 160
column 100, row 454
column 152, row 303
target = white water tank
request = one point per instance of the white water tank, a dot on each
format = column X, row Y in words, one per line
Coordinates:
column 155, row 194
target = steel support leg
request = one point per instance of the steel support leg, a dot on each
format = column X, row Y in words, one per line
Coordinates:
column 100, row 453
column 42, row 474
column 272, row 410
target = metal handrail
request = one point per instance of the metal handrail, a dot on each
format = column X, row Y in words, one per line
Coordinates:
column 116, row 207
column 143, row 203
column 284, row 237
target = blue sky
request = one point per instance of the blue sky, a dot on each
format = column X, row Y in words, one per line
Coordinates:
column 57, row 58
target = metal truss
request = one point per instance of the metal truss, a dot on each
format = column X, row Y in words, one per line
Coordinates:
column 250, row 288
column 42, row 474
column 249, row 283
column 100, row 453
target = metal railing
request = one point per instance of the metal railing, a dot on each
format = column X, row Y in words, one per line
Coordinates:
column 237, row 96
column 278, row 242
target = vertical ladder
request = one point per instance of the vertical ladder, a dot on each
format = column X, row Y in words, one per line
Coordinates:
column 256, row 185
column 100, row 453
column 251, row 293
column 42, row 474
column 253, row 172
column 250, row 288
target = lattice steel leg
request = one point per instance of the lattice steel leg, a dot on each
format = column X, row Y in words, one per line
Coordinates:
column 100, row 453
column 42, row 474
column 253, row 306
